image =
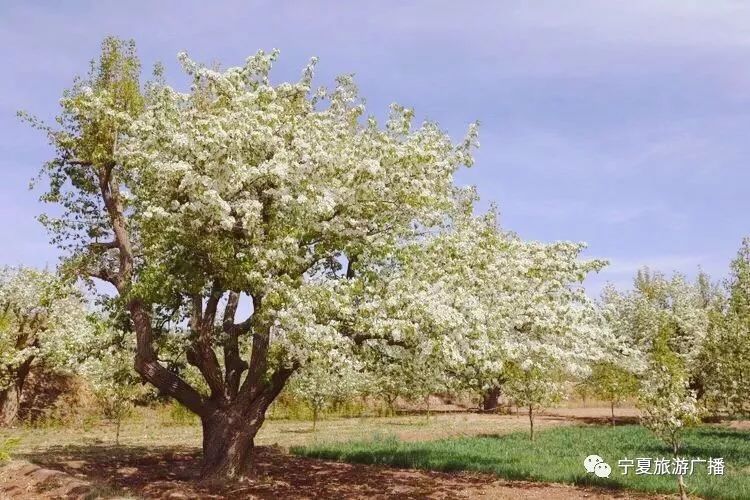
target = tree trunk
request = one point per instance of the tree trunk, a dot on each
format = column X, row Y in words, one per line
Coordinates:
column 9, row 403
column 531, row 422
column 681, row 488
column 228, row 445
column 315, row 417
column 490, row 399
column 391, row 402
column 10, row 398
column 680, row 482
column 612, row 407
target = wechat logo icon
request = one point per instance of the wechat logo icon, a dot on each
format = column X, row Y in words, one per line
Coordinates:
column 596, row 464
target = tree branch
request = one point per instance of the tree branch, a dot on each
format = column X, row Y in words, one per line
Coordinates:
column 98, row 246
column 201, row 354
column 146, row 362
column 147, row 365
column 258, row 355
column 233, row 364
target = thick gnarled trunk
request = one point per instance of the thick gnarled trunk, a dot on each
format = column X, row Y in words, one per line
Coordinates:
column 227, row 446
column 228, row 435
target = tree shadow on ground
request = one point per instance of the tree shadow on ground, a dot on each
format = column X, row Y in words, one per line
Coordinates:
column 127, row 468
column 729, row 434
column 162, row 472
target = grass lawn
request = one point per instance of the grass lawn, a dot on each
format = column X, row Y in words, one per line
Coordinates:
column 557, row 455
column 152, row 428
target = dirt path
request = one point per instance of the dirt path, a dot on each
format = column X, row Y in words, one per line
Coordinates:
column 94, row 472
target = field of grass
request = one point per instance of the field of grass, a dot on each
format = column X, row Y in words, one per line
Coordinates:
column 158, row 428
column 557, row 456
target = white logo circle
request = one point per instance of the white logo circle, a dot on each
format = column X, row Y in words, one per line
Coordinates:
column 602, row 469
column 591, row 462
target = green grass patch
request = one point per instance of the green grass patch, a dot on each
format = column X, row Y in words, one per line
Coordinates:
column 557, row 456
column 7, row 446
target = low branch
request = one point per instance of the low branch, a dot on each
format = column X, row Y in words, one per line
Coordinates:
column 360, row 338
column 105, row 274
column 148, row 366
column 99, row 246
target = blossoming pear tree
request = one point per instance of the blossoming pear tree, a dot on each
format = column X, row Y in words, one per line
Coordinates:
column 665, row 321
column 658, row 306
column 236, row 197
column 510, row 299
column 535, row 384
column 324, row 379
column 667, row 403
column 109, row 371
column 43, row 320
column 726, row 359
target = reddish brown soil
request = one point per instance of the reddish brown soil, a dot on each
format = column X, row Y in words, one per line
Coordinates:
column 96, row 471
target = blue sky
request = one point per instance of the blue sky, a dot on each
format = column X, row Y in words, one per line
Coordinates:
column 622, row 124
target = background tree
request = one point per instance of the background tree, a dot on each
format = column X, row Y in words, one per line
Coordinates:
column 665, row 322
column 612, row 383
column 43, row 320
column 424, row 375
column 667, row 403
column 509, row 298
column 386, row 383
column 637, row 319
column 109, row 371
column 238, row 189
column 535, row 384
column 726, row 359
column 325, row 380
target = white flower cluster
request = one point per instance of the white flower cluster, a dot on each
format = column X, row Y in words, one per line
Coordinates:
column 42, row 319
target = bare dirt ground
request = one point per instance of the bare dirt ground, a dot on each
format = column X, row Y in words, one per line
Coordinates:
column 155, row 461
